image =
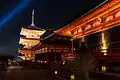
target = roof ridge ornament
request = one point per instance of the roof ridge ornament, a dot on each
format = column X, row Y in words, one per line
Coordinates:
column 32, row 22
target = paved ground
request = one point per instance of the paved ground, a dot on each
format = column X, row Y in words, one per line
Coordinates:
column 16, row 73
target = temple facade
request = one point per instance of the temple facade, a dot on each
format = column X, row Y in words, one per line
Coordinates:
column 99, row 20
column 99, row 28
column 55, row 48
column 30, row 37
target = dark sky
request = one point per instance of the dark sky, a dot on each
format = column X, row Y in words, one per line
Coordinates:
column 48, row 14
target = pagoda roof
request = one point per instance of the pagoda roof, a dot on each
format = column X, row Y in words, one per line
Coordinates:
column 29, row 38
column 34, row 27
column 26, row 49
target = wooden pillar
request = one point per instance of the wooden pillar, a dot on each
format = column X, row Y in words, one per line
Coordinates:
column 72, row 45
column 104, row 43
column 83, row 39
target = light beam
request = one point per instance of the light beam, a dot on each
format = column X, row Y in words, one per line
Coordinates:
column 15, row 11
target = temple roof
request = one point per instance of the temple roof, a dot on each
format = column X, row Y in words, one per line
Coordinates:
column 29, row 38
column 56, row 39
column 105, row 9
column 46, row 34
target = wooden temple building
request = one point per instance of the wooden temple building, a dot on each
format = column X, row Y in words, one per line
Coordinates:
column 98, row 20
column 53, row 48
column 99, row 28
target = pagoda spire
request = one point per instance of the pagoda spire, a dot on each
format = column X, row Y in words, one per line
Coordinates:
column 32, row 22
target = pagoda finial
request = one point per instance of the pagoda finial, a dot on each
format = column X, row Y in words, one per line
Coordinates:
column 32, row 24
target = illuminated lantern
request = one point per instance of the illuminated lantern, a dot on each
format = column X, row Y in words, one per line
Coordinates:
column 103, row 68
column 72, row 77
column 56, row 72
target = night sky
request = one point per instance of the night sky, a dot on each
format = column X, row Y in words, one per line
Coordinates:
column 49, row 14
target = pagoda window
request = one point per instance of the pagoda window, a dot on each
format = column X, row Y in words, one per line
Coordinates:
column 117, row 14
column 109, row 18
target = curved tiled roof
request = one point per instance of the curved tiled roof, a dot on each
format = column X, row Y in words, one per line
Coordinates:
column 33, row 27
